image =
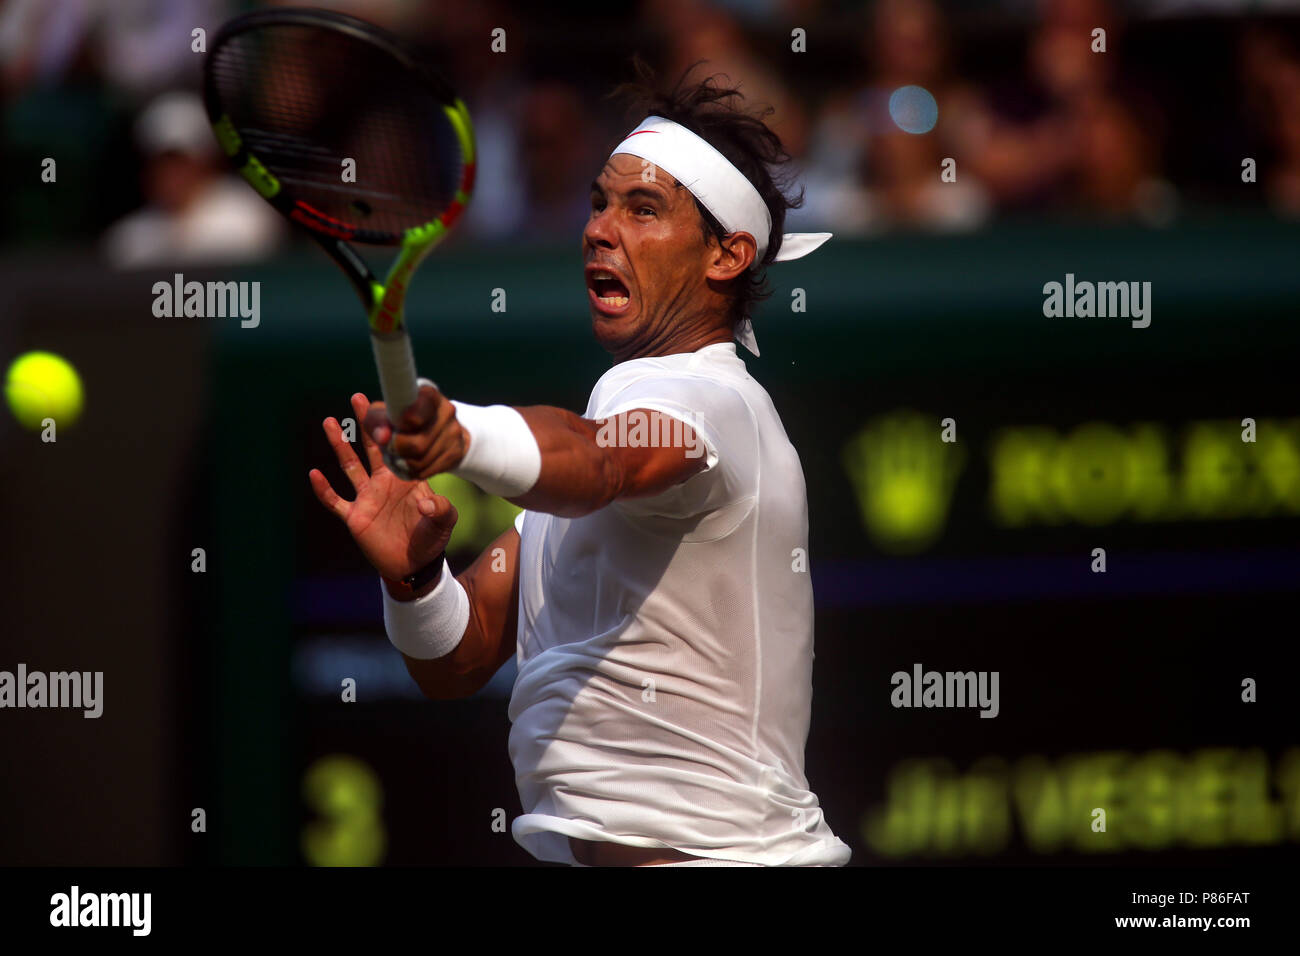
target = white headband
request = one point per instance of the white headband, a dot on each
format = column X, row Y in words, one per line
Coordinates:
column 720, row 187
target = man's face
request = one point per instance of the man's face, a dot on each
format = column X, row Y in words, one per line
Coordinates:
column 648, row 266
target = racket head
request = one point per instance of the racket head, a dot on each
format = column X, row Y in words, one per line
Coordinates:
column 293, row 93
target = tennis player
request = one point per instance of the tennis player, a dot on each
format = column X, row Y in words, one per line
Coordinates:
column 653, row 590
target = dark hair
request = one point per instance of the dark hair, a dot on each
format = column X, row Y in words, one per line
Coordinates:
column 712, row 111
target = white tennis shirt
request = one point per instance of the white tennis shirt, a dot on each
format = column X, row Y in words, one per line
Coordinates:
column 665, row 644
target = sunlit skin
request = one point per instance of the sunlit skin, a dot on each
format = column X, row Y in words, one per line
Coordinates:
column 650, row 235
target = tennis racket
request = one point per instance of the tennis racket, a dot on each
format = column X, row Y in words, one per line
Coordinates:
column 351, row 135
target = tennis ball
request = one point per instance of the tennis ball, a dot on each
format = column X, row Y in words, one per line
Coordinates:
column 43, row 385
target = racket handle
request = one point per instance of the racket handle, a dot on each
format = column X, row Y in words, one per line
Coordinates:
column 396, row 364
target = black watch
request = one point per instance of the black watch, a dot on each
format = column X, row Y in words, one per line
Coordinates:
column 426, row 574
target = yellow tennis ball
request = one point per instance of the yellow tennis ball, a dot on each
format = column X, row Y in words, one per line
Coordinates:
column 43, row 385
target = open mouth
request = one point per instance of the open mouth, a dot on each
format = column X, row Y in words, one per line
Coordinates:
column 608, row 291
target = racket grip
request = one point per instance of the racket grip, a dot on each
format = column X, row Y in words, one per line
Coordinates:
column 396, row 364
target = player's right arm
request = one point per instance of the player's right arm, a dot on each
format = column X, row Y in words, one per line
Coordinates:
column 452, row 646
column 574, row 468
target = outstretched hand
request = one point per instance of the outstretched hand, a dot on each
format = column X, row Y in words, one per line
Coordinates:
column 400, row 526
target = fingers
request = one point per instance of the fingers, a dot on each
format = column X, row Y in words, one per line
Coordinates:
column 438, row 442
column 436, row 506
column 347, row 458
column 440, row 457
column 376, row 424
column 427, row 439
column 438, row 516
column 327, row 495
column 428, row 402
column 361, row 408
column 422, row 413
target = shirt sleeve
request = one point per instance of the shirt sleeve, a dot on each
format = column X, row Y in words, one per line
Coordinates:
column 726, row 437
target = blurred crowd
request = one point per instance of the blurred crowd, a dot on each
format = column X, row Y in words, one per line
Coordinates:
column 1032, row 119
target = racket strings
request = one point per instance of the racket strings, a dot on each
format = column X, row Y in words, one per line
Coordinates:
column 304, row 99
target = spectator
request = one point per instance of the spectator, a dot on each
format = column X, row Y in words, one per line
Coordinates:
column 696, row 31
column 194, row 212
column 138, row 47
column 865, row 171
column 1074, row 139
column 556, row 150
column 1271, row 77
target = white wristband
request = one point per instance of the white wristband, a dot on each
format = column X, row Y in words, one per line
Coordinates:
column 503, row 458
column 430, row 626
